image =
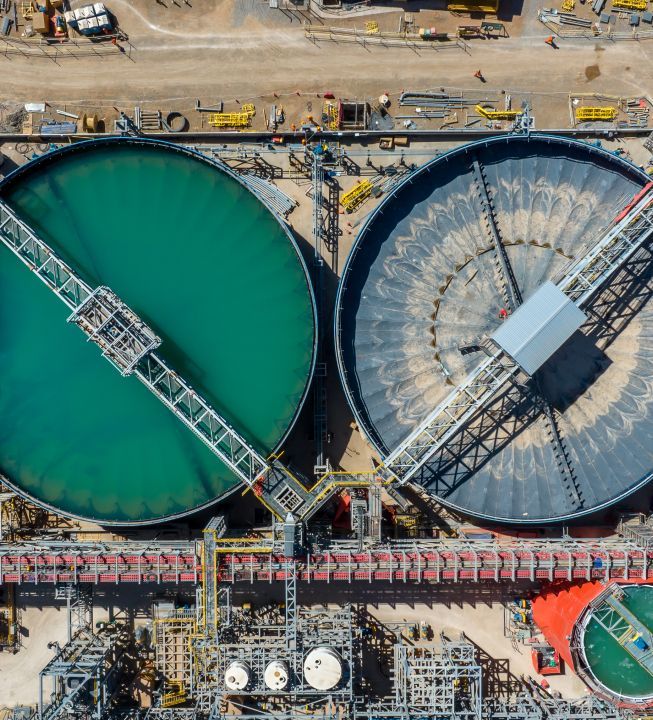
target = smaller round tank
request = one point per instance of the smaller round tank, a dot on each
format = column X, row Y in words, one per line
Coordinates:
column 322, row 668
column 276, row 675
column 237, row 676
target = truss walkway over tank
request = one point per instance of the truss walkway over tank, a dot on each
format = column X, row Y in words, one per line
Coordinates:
column 624, row 627
column 129, row 344
column 630, row 230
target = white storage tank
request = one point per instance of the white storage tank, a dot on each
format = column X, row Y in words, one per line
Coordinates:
column 276, row 675
column 322, row 668
column 237, row 675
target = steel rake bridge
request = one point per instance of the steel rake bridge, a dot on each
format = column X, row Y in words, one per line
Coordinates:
column 129, row 344
column 578, row 284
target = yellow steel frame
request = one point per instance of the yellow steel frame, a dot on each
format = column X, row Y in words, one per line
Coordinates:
column 372, row 27
column 497, row 114
column 333, row 119
column 176, row 692
column 630, row 4
column 241, row 119
column 355, row 197
column 487, row 6
column 175, row 695
column 249, row 108
column 583, row 114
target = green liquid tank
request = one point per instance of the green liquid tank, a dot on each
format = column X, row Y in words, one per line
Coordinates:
column 205, row 264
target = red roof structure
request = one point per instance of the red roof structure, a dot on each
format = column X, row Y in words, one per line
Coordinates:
column 556, row 610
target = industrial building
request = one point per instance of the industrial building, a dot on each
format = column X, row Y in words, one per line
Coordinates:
column 490, row 333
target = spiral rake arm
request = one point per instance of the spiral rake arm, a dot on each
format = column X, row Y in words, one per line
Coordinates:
column 630, row 230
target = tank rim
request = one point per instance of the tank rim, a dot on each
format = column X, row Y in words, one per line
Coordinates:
column 366, row 429
column 585, row 667
column 85, row 145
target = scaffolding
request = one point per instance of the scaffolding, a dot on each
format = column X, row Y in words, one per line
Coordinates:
column 452, row 560
column 491, row 114
column 331, row 115
column 320, row 416
column 83, row 675
column 629, row 4
column 354, row 198
column 638, row 528
column 172, row 633
column 261, row 560
column 121, row 335
column 79, row 606
column 438, row 678
column 52, row 561
column 230, row 120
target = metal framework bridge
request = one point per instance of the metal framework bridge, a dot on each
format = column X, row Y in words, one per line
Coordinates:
column 129, row 344
column 631, row 229
column 219, row 560
column 624, row 627
column 81, row 674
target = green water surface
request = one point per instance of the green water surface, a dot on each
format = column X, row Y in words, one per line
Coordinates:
column 611, row 664
column 208, row 268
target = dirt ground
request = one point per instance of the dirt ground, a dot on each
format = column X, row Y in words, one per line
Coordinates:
column 240, row 51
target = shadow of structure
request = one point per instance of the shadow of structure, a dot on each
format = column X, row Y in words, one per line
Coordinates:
column 567, row 375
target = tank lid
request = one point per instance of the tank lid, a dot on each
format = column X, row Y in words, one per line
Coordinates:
column 323, row 668
column 237, row 676
column 276, row 675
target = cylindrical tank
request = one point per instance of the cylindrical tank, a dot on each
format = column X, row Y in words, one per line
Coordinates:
column 322, row 668
column 243, row 277
column 604, row 634
column 420, row 293
column 276, row 675
column 237, row 676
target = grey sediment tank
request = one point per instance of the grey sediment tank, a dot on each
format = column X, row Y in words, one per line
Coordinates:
column 421, row 288
column 208, row 267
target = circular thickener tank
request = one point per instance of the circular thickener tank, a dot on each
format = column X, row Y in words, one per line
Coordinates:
column 322, row 668
column 276, row 675
column 208, row 267
column 434, row 271
column 237, row 676
column 611, row 667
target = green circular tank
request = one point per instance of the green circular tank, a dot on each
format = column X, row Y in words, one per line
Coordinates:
column 611, row 667
column 205, row 264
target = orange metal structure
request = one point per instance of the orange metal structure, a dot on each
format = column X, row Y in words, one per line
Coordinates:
column 556, row 610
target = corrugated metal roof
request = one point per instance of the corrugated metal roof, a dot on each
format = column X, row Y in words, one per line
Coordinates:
column 539, row 327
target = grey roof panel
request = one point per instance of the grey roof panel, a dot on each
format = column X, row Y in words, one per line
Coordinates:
column 539, row 327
